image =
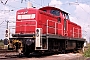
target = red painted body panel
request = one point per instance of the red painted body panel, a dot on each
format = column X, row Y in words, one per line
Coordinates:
column 48, row 22
column 74, row 30
column 23, row 25
column 43, row 20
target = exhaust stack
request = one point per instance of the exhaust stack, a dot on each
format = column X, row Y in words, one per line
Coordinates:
column 29, row 5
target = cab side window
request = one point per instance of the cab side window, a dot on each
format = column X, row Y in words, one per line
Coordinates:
column 59, row 19
column 45, row 10
column 55, row 12
column 65, row 15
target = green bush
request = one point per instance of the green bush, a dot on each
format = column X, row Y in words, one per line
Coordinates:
column 1, row 44
column 87, row 52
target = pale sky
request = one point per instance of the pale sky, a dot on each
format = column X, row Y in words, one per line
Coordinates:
column 79, row 11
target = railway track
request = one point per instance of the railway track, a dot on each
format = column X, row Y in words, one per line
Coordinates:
column 5, row 50
column 13, row 54
column 4, row 53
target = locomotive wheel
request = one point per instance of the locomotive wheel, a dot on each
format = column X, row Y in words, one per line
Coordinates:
column 26, row 51
column 63, row 51
column 80, row 51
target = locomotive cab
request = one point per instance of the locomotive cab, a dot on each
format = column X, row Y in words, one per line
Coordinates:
column 62, row 18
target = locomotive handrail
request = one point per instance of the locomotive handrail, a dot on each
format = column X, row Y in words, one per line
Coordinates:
column 76, row 32
column 50, row 26
column 79, row 33
column 61, row 28
column 55, row 27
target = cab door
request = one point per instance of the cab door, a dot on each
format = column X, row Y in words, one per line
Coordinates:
column 65, row 27
column 66, row 18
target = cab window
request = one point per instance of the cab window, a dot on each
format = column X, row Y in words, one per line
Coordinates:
column 55, row 12
column 65, row 15
column 45, row 10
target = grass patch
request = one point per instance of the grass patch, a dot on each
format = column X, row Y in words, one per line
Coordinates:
column 1, row 44
column 87, row 51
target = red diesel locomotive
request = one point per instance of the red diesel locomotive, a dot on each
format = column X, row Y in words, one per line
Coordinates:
column 47, row 29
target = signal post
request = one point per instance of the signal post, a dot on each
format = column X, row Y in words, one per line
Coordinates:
column 6, row 40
